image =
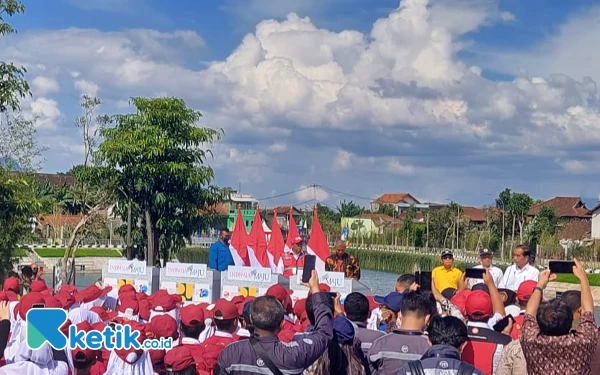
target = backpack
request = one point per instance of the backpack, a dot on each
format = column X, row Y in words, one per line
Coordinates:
column 416, row 368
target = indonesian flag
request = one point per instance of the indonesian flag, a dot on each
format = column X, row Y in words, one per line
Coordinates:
column 275, row 247
column 292, row 233
column 239, row 242
column 257, row 245
column 317, row 244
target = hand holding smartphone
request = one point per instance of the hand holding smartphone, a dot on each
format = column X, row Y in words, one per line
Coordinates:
column 561, row 266
column 309, row 266
column 474, row 273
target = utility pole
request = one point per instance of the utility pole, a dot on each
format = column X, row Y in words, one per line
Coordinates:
column 427, row 233
column 457, row 225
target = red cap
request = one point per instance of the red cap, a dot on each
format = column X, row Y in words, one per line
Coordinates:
column 104, row 315
column 39, row 286
column 158, row 358
column 125, row 289
column 65, row 298
column 13, row 284
column 165, row 302
column 84, row 326
column 27, row 302
column 71, row 289
column 164, row 326
column 526, row 290
column 52, row 302
column 130, row 304
column 300, row 307
column 279, row 292
column 144, row 308
column 92, row 293
column 179, row 358
column 8, row 296
column 479, row 304
column 460, row 300
column 190, row 313
column 296, row 240
column 99, row 326
column 127, row 354
column 225, row 310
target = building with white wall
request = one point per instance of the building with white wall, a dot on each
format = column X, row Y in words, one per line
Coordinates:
column 596, row 222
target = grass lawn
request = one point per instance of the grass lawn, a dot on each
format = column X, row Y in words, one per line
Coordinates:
column 81, row 253
column 569, row 278
column 20, row 252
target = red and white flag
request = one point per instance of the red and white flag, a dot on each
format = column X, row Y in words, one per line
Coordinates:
column 275, row 247
column 317, row 244
column 257, row 244
column 292, row 233
column 239, row 242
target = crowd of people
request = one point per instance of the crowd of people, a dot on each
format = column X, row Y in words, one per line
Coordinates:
column 500, row 325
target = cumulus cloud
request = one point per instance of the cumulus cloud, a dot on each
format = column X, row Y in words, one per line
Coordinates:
column 87, row 88
column 44, row 85
column 396, row 100
column 306, row 194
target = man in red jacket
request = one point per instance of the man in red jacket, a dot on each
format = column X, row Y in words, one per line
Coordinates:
column 294, row 259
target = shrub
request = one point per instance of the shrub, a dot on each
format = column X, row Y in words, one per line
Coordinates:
column 81, row 253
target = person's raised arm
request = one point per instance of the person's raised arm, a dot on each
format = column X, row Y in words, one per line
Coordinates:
column 4, row 324
column 536, row 298
column 587, row 301
column 494, row 293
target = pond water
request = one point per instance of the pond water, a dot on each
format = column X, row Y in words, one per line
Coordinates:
column 381, row 283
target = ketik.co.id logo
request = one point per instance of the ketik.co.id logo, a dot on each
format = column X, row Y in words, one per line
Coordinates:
column 43, row 325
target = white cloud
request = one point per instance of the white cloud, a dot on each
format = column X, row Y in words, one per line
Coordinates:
column 307, row 193
column 44, row 85
column 389, row 101
column 87, row 88
column 277, row 148
column 342, row 160
column 44, row 111
column 394, row 166
column 573, row 166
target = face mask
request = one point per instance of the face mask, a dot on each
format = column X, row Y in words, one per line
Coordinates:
column 227, row 239
column 35, row 271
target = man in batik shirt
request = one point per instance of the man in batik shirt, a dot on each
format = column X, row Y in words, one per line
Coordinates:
column 343, row 262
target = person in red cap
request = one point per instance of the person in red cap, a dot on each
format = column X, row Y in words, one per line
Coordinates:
column 39, row 286
column 13, row 284
column 483, row 312
column 294, row 259
column 191, row 326
column 226, row 318
column 523, row 294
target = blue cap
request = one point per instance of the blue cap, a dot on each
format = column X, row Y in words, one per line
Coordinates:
column 393, row 301
column 343, row 329
column 484, row 251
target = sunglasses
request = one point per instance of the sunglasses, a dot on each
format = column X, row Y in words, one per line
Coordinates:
column 447, row 257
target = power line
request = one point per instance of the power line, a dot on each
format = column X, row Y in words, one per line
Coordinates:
column 284, row 194
column 339, row 193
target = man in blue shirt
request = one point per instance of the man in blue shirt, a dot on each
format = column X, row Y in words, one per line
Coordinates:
column 219, row 255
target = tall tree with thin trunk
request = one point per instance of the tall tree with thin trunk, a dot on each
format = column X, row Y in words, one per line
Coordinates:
column 159, row 156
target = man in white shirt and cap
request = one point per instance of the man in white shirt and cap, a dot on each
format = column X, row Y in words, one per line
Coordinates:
column 521, row 270
column 485, row 258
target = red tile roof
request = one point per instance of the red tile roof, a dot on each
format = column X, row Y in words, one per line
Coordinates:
column 283, row 210
column 565, row 207
column 475, row 214
column 56, row 221
column 576, row 230
column 380, row 219
column 394, row 198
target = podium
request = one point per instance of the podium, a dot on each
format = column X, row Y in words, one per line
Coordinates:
column 120, row 272
column 195, row 283
column 247, row 281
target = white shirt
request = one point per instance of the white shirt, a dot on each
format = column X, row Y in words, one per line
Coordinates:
column 513, row 276
column 494, row 271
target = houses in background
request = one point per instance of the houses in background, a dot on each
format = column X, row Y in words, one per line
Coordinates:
column 574, row 218
column 596, row 222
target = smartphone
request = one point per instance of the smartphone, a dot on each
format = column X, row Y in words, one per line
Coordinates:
column 38, row 306
column 561, row 266
column 332, row 294
column 474, row 273
column 503, row 323
column 423, row 278
column 309, row 266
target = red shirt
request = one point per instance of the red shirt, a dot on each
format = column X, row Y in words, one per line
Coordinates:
column 484, row 348
column 290, row 262
column 516, row 329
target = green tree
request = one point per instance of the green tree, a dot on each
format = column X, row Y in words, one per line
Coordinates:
column 542, row 226
column 158, row 157
column 408, row 224
column 520, row 204
column 386, row 209
column 13, row 86
column 349, row 209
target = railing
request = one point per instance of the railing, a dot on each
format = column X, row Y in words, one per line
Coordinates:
column 86, row 242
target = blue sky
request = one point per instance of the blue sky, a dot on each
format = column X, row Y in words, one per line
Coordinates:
column 446, row 99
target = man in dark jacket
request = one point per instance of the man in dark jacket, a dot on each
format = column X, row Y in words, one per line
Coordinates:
column 240, row 358
column 448, row 337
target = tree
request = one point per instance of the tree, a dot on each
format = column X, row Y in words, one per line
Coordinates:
column 13, row 85
column 542, row 226
column 520, row 204
column 349, row 209
column 408, row 224
column 93, row 192
column 158, row 156
column 386, row 209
